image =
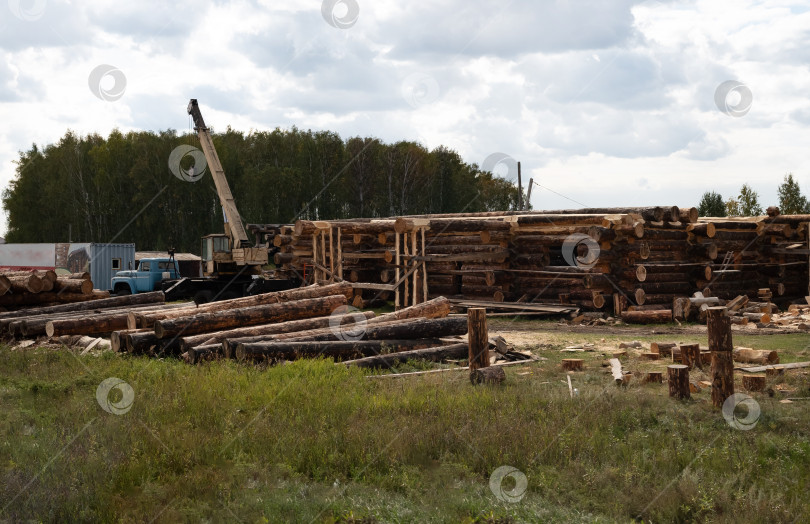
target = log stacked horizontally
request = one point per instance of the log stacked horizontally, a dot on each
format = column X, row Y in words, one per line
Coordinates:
column 657, row 264
column 40, row 288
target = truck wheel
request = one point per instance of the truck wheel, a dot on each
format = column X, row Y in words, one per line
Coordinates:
column 203, row 297
column 122, row 292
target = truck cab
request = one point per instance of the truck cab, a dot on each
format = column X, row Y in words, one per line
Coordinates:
column 150, row 274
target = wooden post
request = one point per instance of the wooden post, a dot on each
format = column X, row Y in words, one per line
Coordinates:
column 720, row 344
column 690, row 355
column 678, row 381
column 424, row 268
column 619, row 304
column 396, row 269
column 416, row 272
column 339, row 256
column 315, row 257
column 322, row 262
column 478, row 337
column 331, row 255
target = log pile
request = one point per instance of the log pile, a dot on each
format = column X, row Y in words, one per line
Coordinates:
column 657, row 263
column 24, row 289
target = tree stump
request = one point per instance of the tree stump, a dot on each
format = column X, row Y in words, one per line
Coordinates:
column 650, row 356
column 753, row 382
column 654, row 376
column 690, row 356
column 478, row 338
column 720, row 344
column 678, row 381
column 493, row 375
column 572, row 364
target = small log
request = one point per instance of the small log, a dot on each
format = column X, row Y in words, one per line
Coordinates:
column 663, row 348
column 690, row 356
column 678, row 381
column 654, row 376
column 493, row 375
column 70, row 285
column 649, row 356
column 753, row 382
column 647, row 317
column 755, row 356
column 572, row 364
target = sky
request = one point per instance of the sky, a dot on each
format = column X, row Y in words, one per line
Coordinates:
column 604, row 103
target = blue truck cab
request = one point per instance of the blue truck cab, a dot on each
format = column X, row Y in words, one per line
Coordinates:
column 150, row 274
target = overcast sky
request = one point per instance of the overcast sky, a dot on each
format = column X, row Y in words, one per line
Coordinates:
column 605, row 103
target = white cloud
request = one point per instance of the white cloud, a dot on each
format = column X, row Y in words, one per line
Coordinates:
column 608, row 103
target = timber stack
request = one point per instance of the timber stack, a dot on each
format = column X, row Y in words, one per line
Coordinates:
column 654, row 263
column 24, row 289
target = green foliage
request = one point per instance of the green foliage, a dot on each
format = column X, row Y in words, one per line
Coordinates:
column 749, row 202
column 121, row 189
column 308, row 441
column 733, row 207
column 791, row 200
column 711, row 205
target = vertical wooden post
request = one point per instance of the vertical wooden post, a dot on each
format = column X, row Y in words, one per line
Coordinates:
column 406, row 287
column 339, row 256
column 424, row 268
column 322, row 261
column 415, row 264
column 315, row 261
column 478, row 337
column 331, row 256
column 396, row 270
column 678, row 376
column 619, row 304
column 719, row 330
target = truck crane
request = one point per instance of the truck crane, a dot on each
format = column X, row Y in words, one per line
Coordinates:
column 232, row 252
column 231, row 263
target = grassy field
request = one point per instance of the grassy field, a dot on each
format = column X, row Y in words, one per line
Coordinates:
column 314, row 442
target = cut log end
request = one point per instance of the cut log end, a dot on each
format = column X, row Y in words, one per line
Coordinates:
column 572, row 364
column 493, row 375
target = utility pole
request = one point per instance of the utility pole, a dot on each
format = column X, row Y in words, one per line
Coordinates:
column 520, row 191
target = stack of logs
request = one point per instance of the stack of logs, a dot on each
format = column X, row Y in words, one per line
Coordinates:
column 21, row 289
column 647, row 262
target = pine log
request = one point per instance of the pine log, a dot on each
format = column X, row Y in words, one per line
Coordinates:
column 721, row 346
column 70, row 285
column 155, row 297
column 340, row 349
column 275, row 297
column 491, row 375
column 478, row 338
column 25, row 283
column 678, row 381
column 755, row 356
column 87, row 325
column 247, row 316
column 436, row 308
column 436, row 353
column 340, row 321
column 572, row 364
column 753, row 382
column 690, row 356
column 647, row 317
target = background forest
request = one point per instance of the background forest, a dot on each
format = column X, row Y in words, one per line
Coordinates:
column 121, row 189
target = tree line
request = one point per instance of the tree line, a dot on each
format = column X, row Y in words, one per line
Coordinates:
column 121, row 189
column 746, row 204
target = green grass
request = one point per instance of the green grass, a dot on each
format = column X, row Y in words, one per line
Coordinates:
column 311, row 441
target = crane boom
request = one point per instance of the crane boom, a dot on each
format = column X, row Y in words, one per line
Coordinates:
column 233, row 224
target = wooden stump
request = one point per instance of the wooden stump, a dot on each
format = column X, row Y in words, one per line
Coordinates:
column 478, row 338
column 572, row 364
column 721, row 346
column 650, row 356
column 678, row 381
column 690, row 356
column 493, row 375
column 753, row 382
column 654, row 376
